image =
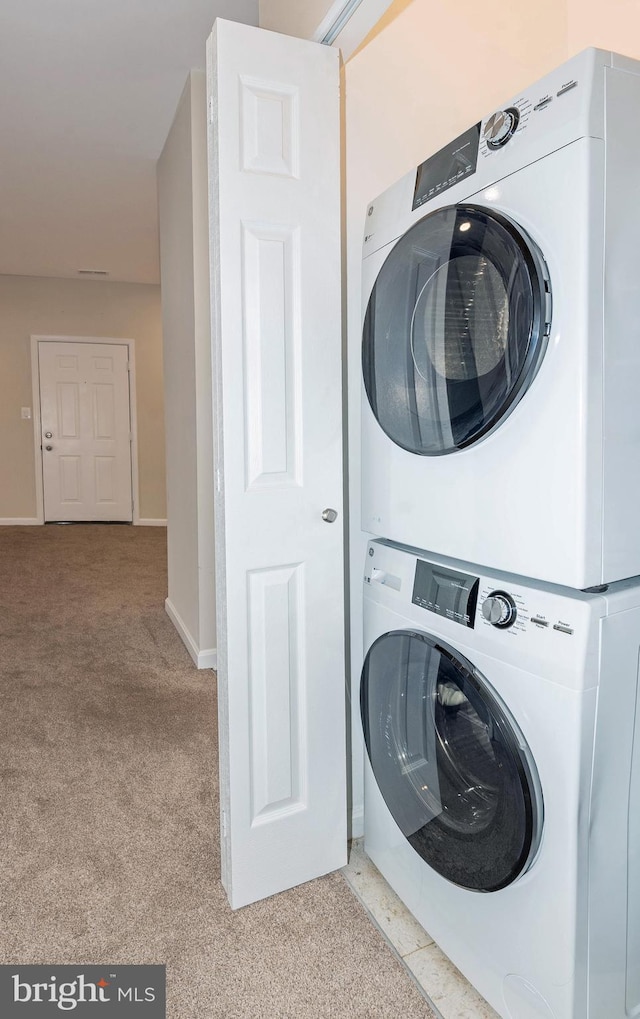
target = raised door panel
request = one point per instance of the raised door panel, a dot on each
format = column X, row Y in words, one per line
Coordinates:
column 70, row 474
column 270, row 264
column 103, row 400
column 68, row 408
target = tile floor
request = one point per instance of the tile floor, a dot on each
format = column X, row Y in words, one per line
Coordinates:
column 443, row 985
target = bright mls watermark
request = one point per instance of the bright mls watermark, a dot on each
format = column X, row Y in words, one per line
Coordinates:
column 96, row 992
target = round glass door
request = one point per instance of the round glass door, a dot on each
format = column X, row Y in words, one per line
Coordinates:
column 454, row 330
column 449, row 762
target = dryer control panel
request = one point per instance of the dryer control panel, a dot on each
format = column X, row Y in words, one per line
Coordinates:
column 449, row 166
column 500, row 126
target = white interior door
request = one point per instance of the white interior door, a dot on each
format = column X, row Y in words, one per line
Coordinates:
column 86, row 430
column 275, row 233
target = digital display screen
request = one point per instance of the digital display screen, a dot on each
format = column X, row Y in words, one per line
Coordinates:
column 446, row 592
column 456, row 160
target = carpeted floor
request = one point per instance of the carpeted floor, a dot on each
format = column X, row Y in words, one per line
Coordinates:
column 108, row 828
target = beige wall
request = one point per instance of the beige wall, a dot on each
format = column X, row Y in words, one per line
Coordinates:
column 175, row 201
column 431, row 68
column 184, row 270
column 313, row 18
column 63, row 307
column 614, row 25
column 434, row 70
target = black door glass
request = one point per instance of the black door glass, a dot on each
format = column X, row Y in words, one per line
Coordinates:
column 454, row 329
column 447, row 761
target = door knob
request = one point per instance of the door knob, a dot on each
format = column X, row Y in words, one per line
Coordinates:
column 329, row 515
column 48, row 435
column 48, row 448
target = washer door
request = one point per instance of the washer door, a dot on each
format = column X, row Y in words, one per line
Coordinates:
column 455, row 329
column 450, row 762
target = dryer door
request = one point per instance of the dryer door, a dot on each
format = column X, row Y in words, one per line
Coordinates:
column 455, row 329
column 450, row 762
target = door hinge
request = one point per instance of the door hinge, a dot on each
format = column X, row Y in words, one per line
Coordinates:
column 211, row 109
column 218, row 479
column 223, row 823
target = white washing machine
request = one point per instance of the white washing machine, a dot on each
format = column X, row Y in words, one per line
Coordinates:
column 502, row 782
column 501, row 342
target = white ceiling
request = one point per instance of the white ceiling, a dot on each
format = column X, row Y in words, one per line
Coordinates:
column 88, row 92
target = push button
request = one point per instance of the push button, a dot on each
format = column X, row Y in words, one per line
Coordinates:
column 563, row 628
column 543, row 102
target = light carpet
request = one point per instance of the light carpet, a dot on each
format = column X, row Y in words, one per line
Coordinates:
column 109, row 827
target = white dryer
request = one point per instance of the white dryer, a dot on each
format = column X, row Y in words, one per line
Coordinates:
column 501, row 342
column 502, row 783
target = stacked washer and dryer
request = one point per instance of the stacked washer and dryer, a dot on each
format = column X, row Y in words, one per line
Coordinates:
column 501, row 480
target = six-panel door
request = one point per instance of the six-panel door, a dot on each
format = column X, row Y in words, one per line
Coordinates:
column 86, row 431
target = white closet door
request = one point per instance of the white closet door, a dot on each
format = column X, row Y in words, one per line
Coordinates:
column 275, row 233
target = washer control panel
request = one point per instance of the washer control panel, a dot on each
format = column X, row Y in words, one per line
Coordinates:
column 517, row 611
column 470, row 600
column 535, row 627
column 445, row 592
column 499, row 609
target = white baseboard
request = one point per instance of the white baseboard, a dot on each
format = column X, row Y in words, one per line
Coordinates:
column 19, row 521
column 23, row 521
column 207, row 659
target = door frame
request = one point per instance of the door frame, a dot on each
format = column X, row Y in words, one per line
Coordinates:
column 37, row 419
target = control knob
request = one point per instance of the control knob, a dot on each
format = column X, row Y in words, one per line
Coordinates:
column 499, row 609
column 500, row 126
